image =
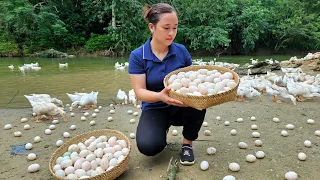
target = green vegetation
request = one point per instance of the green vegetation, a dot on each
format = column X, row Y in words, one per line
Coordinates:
column 115, row 27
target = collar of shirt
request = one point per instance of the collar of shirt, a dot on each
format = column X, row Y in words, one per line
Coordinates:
column 148, row 54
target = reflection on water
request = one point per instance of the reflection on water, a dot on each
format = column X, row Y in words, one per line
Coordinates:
column 82, row 75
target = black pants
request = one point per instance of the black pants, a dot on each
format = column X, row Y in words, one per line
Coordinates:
column 153, row 124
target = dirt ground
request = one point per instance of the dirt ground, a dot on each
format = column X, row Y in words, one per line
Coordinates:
column 281, row 152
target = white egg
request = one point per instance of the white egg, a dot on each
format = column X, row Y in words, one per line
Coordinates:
column 255, row 134
column 307, row 143
column 218, row 118
column 96, row 110
column 23, row 120
column 254, row 127
column 112, row 111
column 242, row 145
column 56, row 121
column 113, row 162
column 69, row 170
column 52, row 127
column 34, row 168
column 253, row 118
column 229, row 177
column 310, row 121
column 317, row 132
column 211, row 150
column 258, row 142
column 239, row 120
column 135, row 113
column 80, row 172
column 207, row 132
column 59, row 143
column 226, row 123
column 26, row 127
column 234, row 166
column 275, row 119
column 37, row 139
column 109, row 118
column 7, row 126
column 233, row 132
column 83, row 118
column 291, row 175
column 86, row 165
column 32, row 156
column 66, row 134
column 71, row 176
column 139, row 106
column 100, row 107
column 129, row 111
column 125, row 151
column 204, row 165
column 290, row 126
column 260, row 154
column 284, row 133
column 47, row 131
column 250, row 158
column 86, row 114
column 91, row 157
column 17, row 134
column 174, row 132
column 72, row 114
column 205, row 124
column 302, row 156
column 34, row 114
column 73, row 127
column 92, row 123
column 111, row 105
column 132, row 121
column 132, row 135
column 94, row 115
column 28, row 146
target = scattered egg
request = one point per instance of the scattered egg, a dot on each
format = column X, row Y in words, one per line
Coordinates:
column 253, row 118
column 234, row 166
column 205, row 124
column 250, row 158
column 138, row 106
column 7, row 126
column 56, row 121
column 204, row 165
column 129, row 111
column 255, row 134
column 72, row 114
column 174, row 132
column 92, row 123
column 254, row 127
column 37, row 139
column 211, row 150
column 52, row 127
column 207, row 132
column 100, row 107
column 302, row 156
column 275, row 119
column 284, row 133
column 258, row 142
column 132, row 135
column 132, row 121
column 34, row 168
column 31, row 156
column 73, row 127
column 17, row 134
column 26, row 127
column 242, row 145
column 135, row 113
column 86, row 114
column 96, row 110
column 112, row 111
column 226, row 123
column 317, row 132
column 233, row 132
column 229, row 177
column 59, row 143
column 111, row 105
column 28, row 146
column 83, row 118
column 310, row 121
column 66, row 134
column 34, row 114
column 23, row 120
column 307, row 143
column 218, row 117
column 239, row 120
column 291, row 175
column 110, row 118
column 260, row 154
column 94, row 115
column 290, row 126
column 47, row 131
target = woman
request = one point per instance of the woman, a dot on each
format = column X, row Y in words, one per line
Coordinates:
column 148, row 65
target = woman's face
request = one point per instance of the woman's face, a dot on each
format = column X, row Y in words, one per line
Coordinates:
column 166, row 29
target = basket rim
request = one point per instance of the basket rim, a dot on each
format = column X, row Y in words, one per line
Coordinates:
column 235, row 75
column 87, row 135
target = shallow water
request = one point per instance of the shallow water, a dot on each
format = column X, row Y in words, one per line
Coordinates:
column 82, row 75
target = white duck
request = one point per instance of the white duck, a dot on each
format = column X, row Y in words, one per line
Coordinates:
column 50, row 109
column 43, row 98
column 11, row 67
column 132, row 98
column 65, row 65
column 86, row 100
column 121, row 96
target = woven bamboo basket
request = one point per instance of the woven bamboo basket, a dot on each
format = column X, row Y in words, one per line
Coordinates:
column 109, row 175
column 203, row 102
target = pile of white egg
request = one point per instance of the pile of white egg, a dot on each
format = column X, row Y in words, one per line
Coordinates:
column 201, row 82
column 93, row 157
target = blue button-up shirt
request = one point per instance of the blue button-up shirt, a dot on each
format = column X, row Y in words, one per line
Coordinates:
column 143, row 61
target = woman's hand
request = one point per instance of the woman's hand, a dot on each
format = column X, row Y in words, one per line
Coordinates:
column 164, row 97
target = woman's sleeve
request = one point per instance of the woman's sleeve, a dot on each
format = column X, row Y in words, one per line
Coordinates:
column 135, row 65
